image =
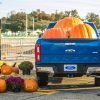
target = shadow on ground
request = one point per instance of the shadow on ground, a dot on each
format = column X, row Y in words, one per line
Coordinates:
column 62, row 86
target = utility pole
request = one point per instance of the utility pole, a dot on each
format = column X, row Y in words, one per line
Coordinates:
column 26, row 23
column 33, row 24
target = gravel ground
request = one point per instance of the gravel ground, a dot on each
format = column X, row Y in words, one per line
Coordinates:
column 59, row 95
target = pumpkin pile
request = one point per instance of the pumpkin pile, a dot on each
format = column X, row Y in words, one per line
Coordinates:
column 15, row 83
column 8, row 70
column 70, row 27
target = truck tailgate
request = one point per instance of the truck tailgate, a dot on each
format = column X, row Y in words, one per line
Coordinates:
column 70, row 51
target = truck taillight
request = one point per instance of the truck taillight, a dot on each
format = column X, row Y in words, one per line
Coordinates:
column 37, row 53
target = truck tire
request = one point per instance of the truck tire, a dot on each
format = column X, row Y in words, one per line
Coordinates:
column 97, row 81
column 42, row 79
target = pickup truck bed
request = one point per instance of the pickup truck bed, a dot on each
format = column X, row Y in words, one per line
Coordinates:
column 65, row 57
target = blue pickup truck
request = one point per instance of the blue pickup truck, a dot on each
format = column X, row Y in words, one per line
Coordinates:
column 66, row 57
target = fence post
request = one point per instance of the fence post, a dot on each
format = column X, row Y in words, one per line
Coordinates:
column 0, row 37
column 0, row 44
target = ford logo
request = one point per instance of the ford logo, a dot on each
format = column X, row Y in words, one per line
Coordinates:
column 70, row 67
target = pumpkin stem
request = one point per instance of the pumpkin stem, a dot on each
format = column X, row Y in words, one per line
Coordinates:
column 14, row 64
column 68, row 32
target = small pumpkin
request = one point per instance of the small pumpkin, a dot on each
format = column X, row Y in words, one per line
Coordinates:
column 3, row 86
column 6, row 70
column 15, row 70
column 30, row 85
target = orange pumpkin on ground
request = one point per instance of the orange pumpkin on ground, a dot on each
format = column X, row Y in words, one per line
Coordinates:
column 55, row 33
column 68, row 23
column 30, row 85
column 3, row 86
column 15, row 70
column 83, row 31
column 6, row 70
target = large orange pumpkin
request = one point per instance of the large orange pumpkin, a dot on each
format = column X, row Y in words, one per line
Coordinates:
column 90, row 31
column 68, row 23
column 30, row 85
column 83, row 31
column 55, row 33
column 6, row 70
column 2, row 85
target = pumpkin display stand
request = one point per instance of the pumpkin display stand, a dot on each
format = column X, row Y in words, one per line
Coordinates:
column 7, row 76
column 31, row 76
column 4, row 76
column 26, row 72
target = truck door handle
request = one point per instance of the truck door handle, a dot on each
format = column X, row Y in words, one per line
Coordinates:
column 95, row 52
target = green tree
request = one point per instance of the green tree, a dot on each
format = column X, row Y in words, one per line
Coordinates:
column 74, row 13
column 52, row 17
column 92, row 17
column 57, row 16
column 15, row 26
column 17, row 21
column 67, row 13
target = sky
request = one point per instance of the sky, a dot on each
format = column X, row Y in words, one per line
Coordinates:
column 49, row 6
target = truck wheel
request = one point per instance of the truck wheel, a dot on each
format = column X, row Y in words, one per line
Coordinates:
column 42, row 79
column 97, row 81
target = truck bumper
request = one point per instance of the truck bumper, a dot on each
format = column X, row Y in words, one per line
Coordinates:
column 58, row 69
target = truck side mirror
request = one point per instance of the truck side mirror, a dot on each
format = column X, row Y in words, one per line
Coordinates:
column 40, row 35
